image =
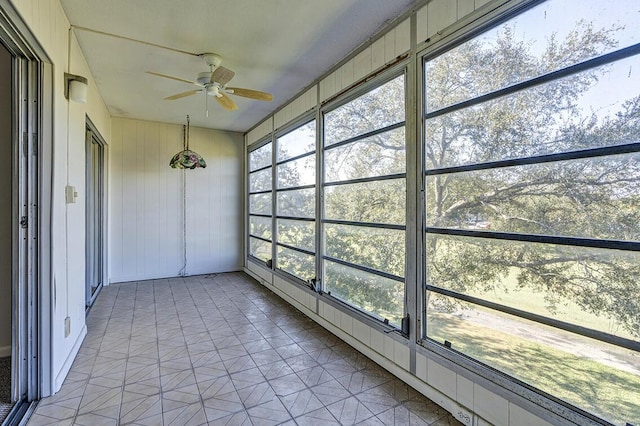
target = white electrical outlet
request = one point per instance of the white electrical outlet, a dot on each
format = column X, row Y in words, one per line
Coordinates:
column 67, row 326
column 463, row 415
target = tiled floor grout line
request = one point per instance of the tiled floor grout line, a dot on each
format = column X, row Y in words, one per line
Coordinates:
column 188, row 352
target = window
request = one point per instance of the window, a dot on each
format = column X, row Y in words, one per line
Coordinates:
column 296, row 201
column 260, row 203
column 533, row 202
column 364, row 201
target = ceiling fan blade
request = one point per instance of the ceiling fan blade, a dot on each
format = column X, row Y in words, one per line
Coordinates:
column 226, row 102
column 222, row 75
column 182, row 95
column 248, row 93
column 173, row 78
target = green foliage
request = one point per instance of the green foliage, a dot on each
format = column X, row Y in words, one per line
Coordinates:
column 592, row 198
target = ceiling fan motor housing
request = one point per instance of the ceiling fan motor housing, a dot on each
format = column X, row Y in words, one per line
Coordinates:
column 212, row 59
column 204, row 78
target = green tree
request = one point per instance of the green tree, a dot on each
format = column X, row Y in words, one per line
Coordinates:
column 591, row 198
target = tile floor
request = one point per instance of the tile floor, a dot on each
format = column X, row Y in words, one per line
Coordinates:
column 221, row 350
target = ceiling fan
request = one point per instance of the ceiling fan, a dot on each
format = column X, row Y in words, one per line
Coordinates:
column 214, row 83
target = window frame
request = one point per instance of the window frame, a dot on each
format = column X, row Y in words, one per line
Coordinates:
column 289, row 128
column 387, row 75
column 250, row 149
column 458, row 361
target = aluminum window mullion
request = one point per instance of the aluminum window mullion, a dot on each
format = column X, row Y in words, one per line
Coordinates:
column 266, row 240
column 566, row 326
column 545, row 78
column 367, row 179
column 544, row 239
column 298, row 249
column 364, row 268
column 365, row 224
column 294, row 188
column 266, row 191
column 259, row 215
column 629, row 148
column 297, row 157
column 319, row 229
column 301, row 219
column 366, row 135
column 274, row 200
column 260, row 169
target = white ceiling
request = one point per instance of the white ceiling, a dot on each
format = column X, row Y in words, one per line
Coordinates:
column 276, row 46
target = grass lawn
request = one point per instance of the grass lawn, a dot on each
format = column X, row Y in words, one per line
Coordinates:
column 530, row 300
column 606, row 391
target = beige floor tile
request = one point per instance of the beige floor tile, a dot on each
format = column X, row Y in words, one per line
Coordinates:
column 221, row 350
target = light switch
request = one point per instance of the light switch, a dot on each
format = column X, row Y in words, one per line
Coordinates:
column 71, row 194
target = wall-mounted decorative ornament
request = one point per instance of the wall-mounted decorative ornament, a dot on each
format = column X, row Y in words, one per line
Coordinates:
column 187, row 159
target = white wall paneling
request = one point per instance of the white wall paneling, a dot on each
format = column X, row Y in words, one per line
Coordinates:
column 303, row 103
column 147, row 198
column 260, row 131
column 383, row 51
column 48, row 24
column 437, row 15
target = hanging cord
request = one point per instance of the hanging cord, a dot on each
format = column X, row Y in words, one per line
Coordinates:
column 185, row 145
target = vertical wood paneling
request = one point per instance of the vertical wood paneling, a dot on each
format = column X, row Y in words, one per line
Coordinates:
column 480, row 3
column 296, row 108
column 377, row 54
column 441, row 14
column 465, row 7
column 389, row 46
column 362, row 64
column 115, row 216
column 260, row 131
column 328, row 86
column 347, row 74
column 129, row 208
column 403, row 37
column 151, row 196
column 147, row 225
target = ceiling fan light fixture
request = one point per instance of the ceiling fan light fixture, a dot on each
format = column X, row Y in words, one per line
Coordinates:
column 187, row 159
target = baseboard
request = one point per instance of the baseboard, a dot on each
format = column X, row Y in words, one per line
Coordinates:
column 5, row 351
column 131, row 278
column 62, row 374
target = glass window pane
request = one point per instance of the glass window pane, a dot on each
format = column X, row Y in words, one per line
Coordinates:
column 548, row 37
column 260, row 203
column 260, row 181
column 591, row 198
column 297, row 142
column 583, row 286
column 297, row 234
column 372, row 202
column 260, row 158
column 379, row 249
column 379, row 155
column 379, row 108
column 297, row 203
column 299, row 172
column 586, row 110
column 380, row 296
column 560, row 363
column 260, row 227
column 259, row 249
column 298, row 264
